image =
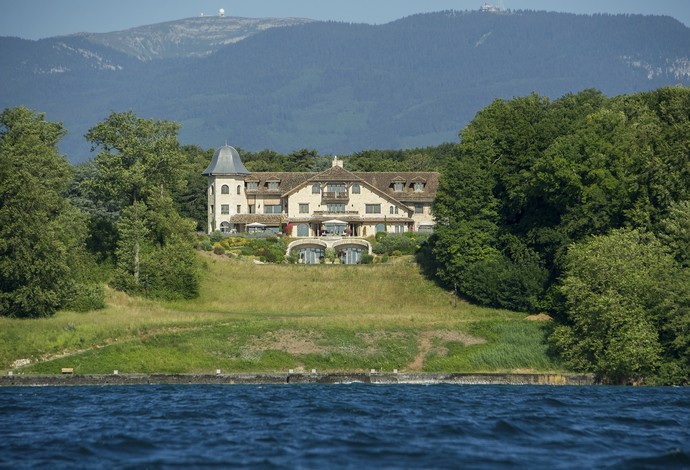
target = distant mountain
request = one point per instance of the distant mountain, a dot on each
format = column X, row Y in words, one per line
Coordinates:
column 191, row 37
column 335, row 87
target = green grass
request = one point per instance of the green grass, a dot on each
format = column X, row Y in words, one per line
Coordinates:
column 265, row 318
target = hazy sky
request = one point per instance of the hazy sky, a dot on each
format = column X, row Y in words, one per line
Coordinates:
column 34, row 19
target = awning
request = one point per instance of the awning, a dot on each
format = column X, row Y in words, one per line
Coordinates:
column 334, row 222
column 256, row 224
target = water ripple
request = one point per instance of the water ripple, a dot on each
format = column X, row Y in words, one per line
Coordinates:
column 327, row 426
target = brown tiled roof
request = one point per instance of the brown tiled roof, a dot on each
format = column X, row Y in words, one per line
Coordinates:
column 288, row 181
column 383, row 181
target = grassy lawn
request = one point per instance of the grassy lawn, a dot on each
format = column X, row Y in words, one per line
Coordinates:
column 269, row 318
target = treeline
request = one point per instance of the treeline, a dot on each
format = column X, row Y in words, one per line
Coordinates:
column 579, row 207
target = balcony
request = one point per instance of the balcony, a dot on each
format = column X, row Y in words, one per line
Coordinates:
column 334, row 197
column 335, row 213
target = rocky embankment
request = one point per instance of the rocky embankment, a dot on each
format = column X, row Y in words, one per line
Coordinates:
column 299, row 378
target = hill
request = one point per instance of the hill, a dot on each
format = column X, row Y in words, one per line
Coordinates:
column 247, row 319
column 336, row 87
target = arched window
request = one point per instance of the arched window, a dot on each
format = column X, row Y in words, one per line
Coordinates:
column 355, row 189
column 225, row 189
column 239, row 189
column 380, row 228
column 210, row 190
column 225, row 227
column 392, row 209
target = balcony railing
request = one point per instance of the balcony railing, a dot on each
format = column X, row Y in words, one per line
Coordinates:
column 335, row 213
column 335, row 196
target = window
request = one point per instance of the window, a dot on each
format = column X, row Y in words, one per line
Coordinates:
column 336, row 188
column 273, row 185
column 211, row 208
column 316, row 189
column 356, row 189
column 394, row 210
column 302, row 230
column 426, row 228
column 239, row 209
column 273, row 209
column 311, row 255
column 210, row 190
column 335, row 207
column 380, row 228
column 418, row 187
column 398, row 187
column 419, row 208
column 304, row 208
column 252, row 186
column 239, row 189
column 225, row 189
column 225, row 227
column 225, row 209
column 373, row 208
column 251, row 209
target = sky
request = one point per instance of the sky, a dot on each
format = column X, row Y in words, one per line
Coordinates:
column 35, row 19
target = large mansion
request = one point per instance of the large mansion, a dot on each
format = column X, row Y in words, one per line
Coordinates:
column 335, row 204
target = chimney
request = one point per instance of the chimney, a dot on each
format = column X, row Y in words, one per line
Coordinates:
column 337, row 162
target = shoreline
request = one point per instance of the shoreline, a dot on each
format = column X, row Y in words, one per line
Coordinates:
column 296, row 378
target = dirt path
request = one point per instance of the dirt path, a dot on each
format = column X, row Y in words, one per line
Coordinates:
column 425, row 345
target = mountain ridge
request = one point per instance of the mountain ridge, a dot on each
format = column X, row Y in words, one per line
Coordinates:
column 343, row 87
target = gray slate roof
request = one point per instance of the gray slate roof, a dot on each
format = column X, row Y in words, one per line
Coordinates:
column 226, row 161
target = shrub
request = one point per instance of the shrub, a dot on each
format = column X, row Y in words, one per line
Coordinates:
column 378, row 248
column 216, row 236
column 396, row 253
column 86, row 297
column 380, row 236
column 218, row 250
column 366, row 259
column 206, row 245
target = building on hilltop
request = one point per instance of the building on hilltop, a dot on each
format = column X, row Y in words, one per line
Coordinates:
column 335, row 208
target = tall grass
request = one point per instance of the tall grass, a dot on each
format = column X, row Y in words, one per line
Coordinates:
column 335, row 317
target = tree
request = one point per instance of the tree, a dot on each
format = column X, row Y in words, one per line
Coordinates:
column 622, row 291
column 142, row 167
column 139, row 158
column 41, row 234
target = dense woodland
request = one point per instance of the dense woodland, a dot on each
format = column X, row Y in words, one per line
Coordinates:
column 577, row 207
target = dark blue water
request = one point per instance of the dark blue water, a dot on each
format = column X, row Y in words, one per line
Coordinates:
column 344, row 426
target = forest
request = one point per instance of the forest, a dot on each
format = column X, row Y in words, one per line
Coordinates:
column 577, row 207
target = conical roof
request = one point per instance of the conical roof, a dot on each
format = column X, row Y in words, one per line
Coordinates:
column 226, row 161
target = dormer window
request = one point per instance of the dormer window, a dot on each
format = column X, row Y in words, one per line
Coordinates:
column 252, row 186
column 418, row 187
column 272, row 185
column 398, row 187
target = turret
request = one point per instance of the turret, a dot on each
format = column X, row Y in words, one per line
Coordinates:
column 226, row 195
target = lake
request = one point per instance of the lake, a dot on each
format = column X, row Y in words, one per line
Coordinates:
column 344, row 426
